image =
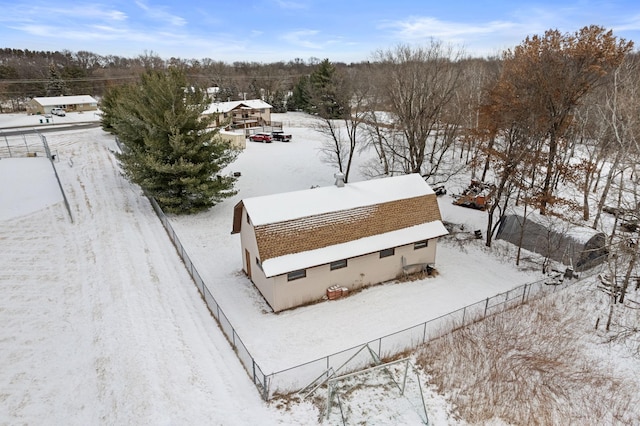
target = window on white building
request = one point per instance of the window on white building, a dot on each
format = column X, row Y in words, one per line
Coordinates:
column 338, row 264
column 387, row 252
column 296, row 275
column 420, row 244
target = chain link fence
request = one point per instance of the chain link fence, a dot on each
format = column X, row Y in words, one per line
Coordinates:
column 24, row 144
column 302, row 376
column 31, row 144
column 255, row 372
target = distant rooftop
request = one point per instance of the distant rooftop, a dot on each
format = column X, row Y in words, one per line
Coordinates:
column 65, row 100
column 218, row 107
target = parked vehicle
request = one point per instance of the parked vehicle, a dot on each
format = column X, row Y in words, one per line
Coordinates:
column 279, row 135
column 260, row 137
column 58, row 111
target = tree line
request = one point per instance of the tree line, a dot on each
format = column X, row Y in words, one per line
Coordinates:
column 556, row 115
column 25, row 74
column 552, row 126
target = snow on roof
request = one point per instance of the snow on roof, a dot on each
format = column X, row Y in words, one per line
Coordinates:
column 578, row 233
column 297, row 204
column 65, row 100
column 293, row 262
column 217, row 107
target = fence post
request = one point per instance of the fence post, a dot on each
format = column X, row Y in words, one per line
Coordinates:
column 424, row 333
column 524, row 292
column 253, row 367
column 486, row 306
column 266, row 389
column 464, row 314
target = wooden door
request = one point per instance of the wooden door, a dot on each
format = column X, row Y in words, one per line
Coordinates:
column 247, row 257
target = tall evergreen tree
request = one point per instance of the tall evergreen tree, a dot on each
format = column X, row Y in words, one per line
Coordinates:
column 326, row 99
column 168, row 148
column 278, row 101
column 300, row 99
column 55, row 85
column 108, row 105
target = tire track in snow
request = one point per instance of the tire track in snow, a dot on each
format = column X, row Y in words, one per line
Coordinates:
column 155, row 349
column 101, row 322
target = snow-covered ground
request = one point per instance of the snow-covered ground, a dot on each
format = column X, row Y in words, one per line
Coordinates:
column 280, row 341
column 38, row 122
column 102, row 324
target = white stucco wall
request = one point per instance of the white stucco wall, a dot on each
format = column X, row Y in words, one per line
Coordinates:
column 249, row 243
column 360, row 272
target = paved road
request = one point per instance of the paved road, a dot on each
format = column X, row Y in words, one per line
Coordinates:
column 48, row 129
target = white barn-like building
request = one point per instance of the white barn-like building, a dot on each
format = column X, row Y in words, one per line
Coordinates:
column 297, row 245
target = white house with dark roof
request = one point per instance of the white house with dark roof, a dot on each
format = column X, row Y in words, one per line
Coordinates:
column 43, row 105
column 241, row 114
column 296, row 245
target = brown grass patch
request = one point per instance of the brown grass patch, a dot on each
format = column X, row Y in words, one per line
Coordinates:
column 528, row 366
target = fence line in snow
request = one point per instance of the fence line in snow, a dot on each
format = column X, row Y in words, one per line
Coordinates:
column 298, row 377
column 52, row 159
column 253, row 369
column 26, row 144
column 255, row 372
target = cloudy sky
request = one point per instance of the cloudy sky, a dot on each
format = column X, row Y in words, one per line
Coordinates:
column 275, row 30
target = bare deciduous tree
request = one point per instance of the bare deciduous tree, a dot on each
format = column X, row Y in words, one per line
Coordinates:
column 344, row 133
column 420, row 84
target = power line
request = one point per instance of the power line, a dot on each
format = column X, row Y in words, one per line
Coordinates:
column 66, row 80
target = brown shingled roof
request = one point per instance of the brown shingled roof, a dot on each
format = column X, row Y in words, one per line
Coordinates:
column 313, row 232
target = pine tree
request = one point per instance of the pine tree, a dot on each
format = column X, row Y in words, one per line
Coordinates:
column 325, row 97
column 108, row 105
column 278, row 101
column 168, row 148
column 299, row 100
column 55, row 85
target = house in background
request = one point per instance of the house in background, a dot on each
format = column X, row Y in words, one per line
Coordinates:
column 297, row 245
column 43, row 105
column 254, row 113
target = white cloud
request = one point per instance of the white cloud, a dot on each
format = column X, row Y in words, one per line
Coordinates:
column 423, row 27
column 31, row 13
column 632, row 23
column 302, row 38
column 160, row 14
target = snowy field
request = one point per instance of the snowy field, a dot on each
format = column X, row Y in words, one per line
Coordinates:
column 280, row 341
column 102, row 324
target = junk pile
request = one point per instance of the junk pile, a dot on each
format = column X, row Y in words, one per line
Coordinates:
column 476, row 196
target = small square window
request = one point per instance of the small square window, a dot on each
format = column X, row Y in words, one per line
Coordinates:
column 338, row 264
column 296, row 275
column 420, row 244
column 387, row 252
